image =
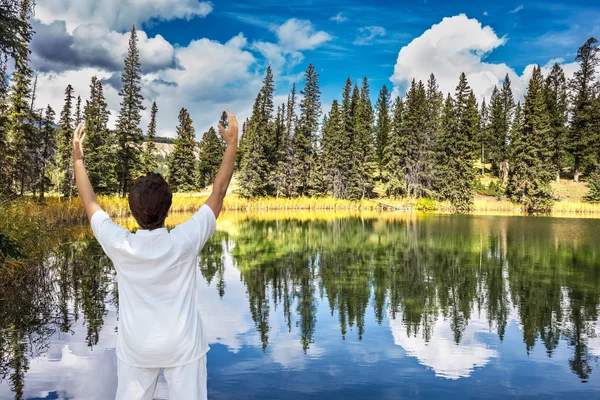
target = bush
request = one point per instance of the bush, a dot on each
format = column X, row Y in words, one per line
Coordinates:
column 494, row 188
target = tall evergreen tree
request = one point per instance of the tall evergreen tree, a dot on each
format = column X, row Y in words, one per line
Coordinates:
column 354, row 189
column 383, row 127
column 306, row 136
column 257, row 164
column 99, row 142
column 48, row 149
column 484, row 124
column 532, row 169
column 557, row 105
column 501, row 111
column 15, row 29
column 414, row 131
column 149, row 159
column 5, row 171
column 65, row 148
column 396, row 154
column 365, row 150
column 182, row 161
column 334, row 152
column 279, row 178
column 209, row 157
column 583, row 131
column 128, row 131
column 21, row 132
column 435, row 102
column 78, row 116
column 461, row 122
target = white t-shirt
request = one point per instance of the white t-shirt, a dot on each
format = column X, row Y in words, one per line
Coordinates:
column 159, row 321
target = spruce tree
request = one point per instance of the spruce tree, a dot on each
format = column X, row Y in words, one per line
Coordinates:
column 334, row 151
column 182, row 161
column 78, row 116
column 366, row 157
column 283, row 177
column 354, row 189
column 209, row 157
column 21, row 132
column 414, row 130
column 258, row 161
column 257, row 164
column 4, row 107
column 305, row 136
column 279, row 178
column 99, row 142
column 65, row 148
column 583, row 131
column 48, row 149
column 396, row 154
column 461, row 122
column 383, row 127
column 15, row 30
column 501, row 112
column 532, row 170
column 484, row 123
column 435, row 102
column 593, row 194
column 557, row 105
column 149, row 160
column 128, row 131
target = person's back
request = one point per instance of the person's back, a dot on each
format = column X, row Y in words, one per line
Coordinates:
column 160, row 326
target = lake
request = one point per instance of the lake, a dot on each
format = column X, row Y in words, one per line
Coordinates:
column 336, row 306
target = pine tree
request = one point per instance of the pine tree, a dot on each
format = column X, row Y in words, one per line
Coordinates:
column 283, row 177
column 593, row 194
column 48, row 148
column 78, row 117
column 557, row 105
column 396, row 154
column 383, row 127
column 99, row 142
column 501, row 111
column 258, row 161
column 305, row 140
column 334, row 152
column 21, row 132
column 149, row 160
column 532, row 169
column 435, row 102
column 4, row 107
column 414, row 130
column 65, row 148
column 182, row 161
column 128, row 131
column 15, row 30
column 484, row 124
column 582, row 132
column 365, row 152
column 354, row 190
column 209, row 157
column 461, row 122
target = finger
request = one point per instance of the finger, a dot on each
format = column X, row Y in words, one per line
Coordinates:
column 76, row 133
column 82, row 137
column 79, row 130
column 222, row 130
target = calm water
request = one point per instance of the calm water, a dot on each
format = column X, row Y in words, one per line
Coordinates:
column 379, row 307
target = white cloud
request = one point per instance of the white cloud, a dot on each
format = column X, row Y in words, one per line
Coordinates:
column 485, row 13
column 339, row 18
column 368, row 33
column 517, row 9
column 441, row 353
column 55, row 49
column 298, row 35
column 293, row 37
column 118, row 14
column 455, row 45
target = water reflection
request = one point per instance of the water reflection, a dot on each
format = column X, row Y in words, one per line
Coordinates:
column 446, row 289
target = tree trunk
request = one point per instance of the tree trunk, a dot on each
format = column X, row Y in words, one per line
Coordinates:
column 482, row 161
column 558, row 176
column 504, row 173
column 576, row 169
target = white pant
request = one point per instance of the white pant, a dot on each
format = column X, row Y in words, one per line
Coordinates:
column 186, row 382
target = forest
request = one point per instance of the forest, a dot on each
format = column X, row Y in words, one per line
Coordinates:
column 427, row 144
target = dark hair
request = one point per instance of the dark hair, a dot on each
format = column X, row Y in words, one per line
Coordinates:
column 149, row 201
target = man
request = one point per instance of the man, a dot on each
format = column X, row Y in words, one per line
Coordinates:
column 159, row 326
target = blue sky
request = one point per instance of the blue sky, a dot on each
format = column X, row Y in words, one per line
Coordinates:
column 210, row 55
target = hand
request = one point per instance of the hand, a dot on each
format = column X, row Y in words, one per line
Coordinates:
column 231, row 133
column 78, row 137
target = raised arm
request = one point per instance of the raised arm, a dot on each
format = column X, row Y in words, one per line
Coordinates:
column 215, row 201
column 84, row 187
